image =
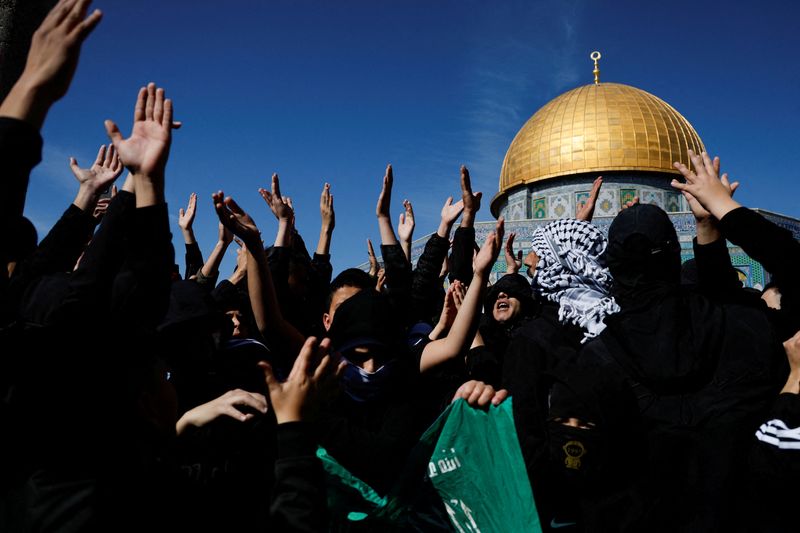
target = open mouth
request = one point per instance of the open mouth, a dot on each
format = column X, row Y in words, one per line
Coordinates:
column 502, row 305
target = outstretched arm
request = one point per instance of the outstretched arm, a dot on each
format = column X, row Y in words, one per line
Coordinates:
column 382, row 209
column 465, row 324
column 211, row 267
column 51, row 63
column 263, row 300
column 513, row 264
column 94, row 180
column 281, row 207
column 405, row 228
column 328, row 216
column 587, row 211
column 146, row 151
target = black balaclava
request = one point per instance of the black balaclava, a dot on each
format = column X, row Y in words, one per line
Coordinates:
column 643, row 254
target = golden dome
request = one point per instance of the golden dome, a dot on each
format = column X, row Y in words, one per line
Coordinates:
column 598, row 128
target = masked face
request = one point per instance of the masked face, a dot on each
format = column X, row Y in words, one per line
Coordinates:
column 576, row 452
column 368, row 374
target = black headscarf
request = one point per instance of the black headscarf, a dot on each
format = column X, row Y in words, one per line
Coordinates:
column 515, row 286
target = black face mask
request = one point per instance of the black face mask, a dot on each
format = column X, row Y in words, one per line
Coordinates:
column 576, row 455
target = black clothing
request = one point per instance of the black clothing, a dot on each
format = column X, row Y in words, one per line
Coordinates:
column 427, row 293
column 193, row 260
column 462, row 254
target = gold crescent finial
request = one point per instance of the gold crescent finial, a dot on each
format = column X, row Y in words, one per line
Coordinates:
column 596, row 56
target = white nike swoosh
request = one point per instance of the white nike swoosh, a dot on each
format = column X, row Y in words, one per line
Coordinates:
column 556, row 525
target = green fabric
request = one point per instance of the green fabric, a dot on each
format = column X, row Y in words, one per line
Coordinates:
column 478, row 470
column 468, row 461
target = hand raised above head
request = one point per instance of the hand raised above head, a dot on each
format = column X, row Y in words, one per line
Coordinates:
column 280, row 206
column 472, row 201
column 146, row 150
column 106, row 168
column 587, row 211
column 236, row 220
column 451, row 211
column 405, row 226
column 490, row 250
column 385, row 198
column 513, row 263
column 707, row 193
column 186, row 216
column 326, row 211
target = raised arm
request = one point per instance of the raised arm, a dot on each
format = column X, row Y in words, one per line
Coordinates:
column 587, row 211
column 405, row 228
column 466, row 322
column 471, row 201
column 94, row 180
column 328, row 217
column 211, row 267
column 513, row 263
column 373, row 261
column 186, row 219
column 263, row 300
column 146, row 151
column 51, row 63
column 382, row 209
column 281, row 207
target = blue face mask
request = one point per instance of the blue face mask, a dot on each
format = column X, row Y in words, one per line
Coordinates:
column 363, row 386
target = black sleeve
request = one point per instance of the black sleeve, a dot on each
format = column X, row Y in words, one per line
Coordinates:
column 426, row 288
column 716, row 276
column 278, row 260
column 142, row 288
column 20, row 151
column 193, row 260
column 398, row 279
column 772, row 246
column 323, row 271
column 298, row 499
column 484, row 365
column 461, row 258
column 59, row 250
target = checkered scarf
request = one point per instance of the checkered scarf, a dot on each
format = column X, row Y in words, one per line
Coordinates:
column 570, row 274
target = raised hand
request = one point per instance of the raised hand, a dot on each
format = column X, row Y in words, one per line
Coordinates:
column 471, row 201
column 230, row 404
column 52, row 60
column 373, row 261
column 281, row 207
column 459, row 292
column 310, row 379
column 326, row 212
column 513, row 264
column 479, row 394
column 450, row 212
column 146, row 151
column 385, row 198
column 405, row 228
column 587, row 211
column 94, row 180
column 186, row 216
column 224, row 235
column 241, row 263
column 490, row 250
column 700, row 213
column 236, row 220
column 713, row 193
column 381, row 279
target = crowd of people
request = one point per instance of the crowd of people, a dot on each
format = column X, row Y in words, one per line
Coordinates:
column 647, row 395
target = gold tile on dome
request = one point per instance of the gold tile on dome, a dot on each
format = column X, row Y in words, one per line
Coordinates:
column 595, row 127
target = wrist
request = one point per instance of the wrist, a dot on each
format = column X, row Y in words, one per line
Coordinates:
column 444, row 230
column 792, row 383
column 188, row 236
column 86, row 199
column 285, row 416
column 467, row 219
column 326, row 229
column 723, row 206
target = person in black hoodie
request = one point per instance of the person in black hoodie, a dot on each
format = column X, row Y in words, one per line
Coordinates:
column 702, row 373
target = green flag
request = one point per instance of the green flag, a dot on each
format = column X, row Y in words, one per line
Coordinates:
column 473, row 461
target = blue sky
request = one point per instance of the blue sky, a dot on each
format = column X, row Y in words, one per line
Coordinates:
column 333, row 91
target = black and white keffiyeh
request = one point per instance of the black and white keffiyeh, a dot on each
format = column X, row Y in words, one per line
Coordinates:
column 570, row 274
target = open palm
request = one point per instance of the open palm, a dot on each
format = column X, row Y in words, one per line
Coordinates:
column 146, row 151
